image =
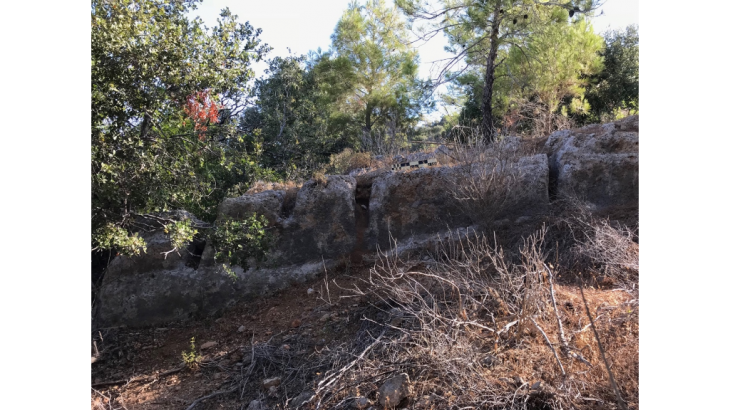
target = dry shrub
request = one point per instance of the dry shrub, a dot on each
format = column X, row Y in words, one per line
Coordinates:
column 384, row 142
column 470, row 329
column 348, row 160
column 320, row 178
column 491, row 180
column 604, row 248
column 261, row 186
column 534, row 119
column 608, row 249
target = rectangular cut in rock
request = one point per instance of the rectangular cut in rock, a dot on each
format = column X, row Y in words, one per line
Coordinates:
column 425, row 201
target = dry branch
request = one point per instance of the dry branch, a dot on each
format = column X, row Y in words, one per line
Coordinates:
column 620, row 400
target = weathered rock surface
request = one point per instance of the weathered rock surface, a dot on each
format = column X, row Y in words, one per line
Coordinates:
column 151, row 288
column 394, row 390
column 272, row 382
column 321, row 224
column 302, row 399
column 597, row 163
column 427, row 200
column 314, row 235
column 267, row 203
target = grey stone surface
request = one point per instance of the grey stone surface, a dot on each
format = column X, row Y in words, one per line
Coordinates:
column 394, row 390
column 267, row 203
column 322, row 224
column 598, row 163
column 427, row 200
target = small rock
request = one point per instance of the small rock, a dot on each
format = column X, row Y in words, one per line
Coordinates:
column 396, row 317
column 296, row 323
column 241, row 329
column 208, row 345
column 523, row 219
column 325, row 317
column 274, row 381
column 286, row 347
column 220, row 320
column 310, row 291
column 490, row 361
column 361, row 403
column 535, row 386
column 425, row 402
column 394, row 390
column 257, row 405
column 302, row 399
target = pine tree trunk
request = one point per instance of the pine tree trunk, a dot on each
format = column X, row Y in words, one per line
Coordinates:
column 487, row 118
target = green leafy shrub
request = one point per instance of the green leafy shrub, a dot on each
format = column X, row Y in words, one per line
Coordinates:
column 111, row 236
column 181, row 233
column 235, row 242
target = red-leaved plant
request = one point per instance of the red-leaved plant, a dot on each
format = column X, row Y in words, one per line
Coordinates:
column 203, row 110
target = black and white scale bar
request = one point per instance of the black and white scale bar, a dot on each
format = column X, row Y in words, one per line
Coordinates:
column 415, row 164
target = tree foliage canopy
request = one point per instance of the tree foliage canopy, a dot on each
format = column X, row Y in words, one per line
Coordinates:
column 148, row 156
column 616, row 87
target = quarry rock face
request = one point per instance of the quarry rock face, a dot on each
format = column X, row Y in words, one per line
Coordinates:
column 598, row 163
column 324, row 224
column 151, row 288
column 148, row 289
column 429, row 200
column 267, row 203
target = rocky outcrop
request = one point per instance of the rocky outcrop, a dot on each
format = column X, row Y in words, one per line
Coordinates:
column 598, row 163
column 322, row 224
column 152, row 288
column 328, row 222
column 267, row 203
column 429, row 200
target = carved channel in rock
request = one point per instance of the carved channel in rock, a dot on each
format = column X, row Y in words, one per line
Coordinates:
column 362, row 219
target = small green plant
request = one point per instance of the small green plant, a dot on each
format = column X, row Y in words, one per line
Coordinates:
column 235, row 242
column 191, row 358
column 181, row 233
column 112, row 236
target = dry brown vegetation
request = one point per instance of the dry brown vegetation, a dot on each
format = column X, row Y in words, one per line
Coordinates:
column 261, row 186
column 482, row 328
column 473, row 324
column 494, row 320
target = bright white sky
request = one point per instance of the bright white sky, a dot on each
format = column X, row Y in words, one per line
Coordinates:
column 307, row 25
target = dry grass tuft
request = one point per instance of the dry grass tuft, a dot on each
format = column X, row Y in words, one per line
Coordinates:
column 348, row 160
column 261, row 186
